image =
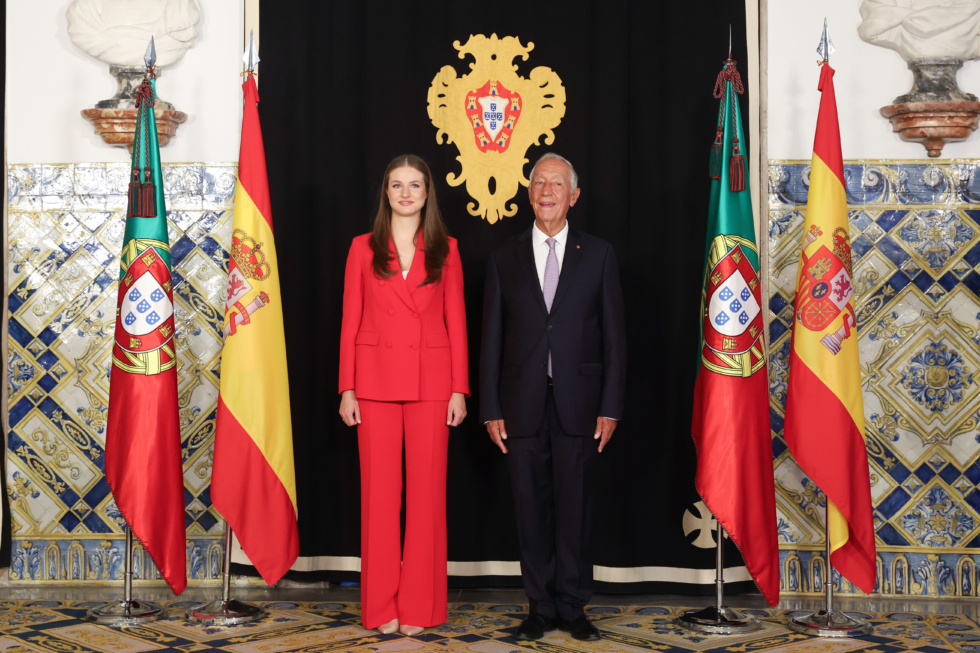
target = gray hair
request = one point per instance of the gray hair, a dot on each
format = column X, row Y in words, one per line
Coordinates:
column 557, row 157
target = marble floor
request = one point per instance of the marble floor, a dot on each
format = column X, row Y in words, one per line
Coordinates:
column 966, row 607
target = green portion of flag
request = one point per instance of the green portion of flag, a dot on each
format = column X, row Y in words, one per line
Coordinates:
column 730, row 219
column 730, row 213
column 153, row 229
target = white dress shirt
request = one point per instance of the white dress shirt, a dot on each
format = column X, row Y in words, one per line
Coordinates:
column 541, row 249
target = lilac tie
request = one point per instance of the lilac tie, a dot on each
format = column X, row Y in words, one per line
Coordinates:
column 550, row 282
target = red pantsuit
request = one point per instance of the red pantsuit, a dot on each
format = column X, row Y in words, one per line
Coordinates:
column 403, row 352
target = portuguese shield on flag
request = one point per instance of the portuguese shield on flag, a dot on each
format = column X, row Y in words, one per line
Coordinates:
column 143, row 458
column 731, row 401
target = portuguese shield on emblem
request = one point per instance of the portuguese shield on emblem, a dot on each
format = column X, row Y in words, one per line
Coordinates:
column 493, row 112
column 733, row 316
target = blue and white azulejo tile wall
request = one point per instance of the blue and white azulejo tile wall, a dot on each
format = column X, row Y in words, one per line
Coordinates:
column 65, row 231
column 915, row 236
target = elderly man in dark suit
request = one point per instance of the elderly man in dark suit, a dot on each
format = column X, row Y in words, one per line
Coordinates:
column 552, row 380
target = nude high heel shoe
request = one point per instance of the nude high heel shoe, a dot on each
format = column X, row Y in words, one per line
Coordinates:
column 411, row 631
column 388, row 628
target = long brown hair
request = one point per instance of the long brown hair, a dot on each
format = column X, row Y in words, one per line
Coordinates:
column 435, row 237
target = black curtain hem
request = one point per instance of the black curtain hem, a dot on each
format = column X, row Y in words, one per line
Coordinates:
column 510, row 582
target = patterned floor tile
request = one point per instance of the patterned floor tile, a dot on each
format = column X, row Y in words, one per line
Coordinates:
column 287, row 627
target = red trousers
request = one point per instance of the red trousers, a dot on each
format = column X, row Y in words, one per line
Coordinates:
column 409, row 585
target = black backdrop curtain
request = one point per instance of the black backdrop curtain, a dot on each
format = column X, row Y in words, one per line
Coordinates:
column 343, row 88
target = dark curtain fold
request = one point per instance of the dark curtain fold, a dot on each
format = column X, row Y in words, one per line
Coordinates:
column 343, row 88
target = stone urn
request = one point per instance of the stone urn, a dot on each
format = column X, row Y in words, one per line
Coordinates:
column 115, row 119
column 935, row 111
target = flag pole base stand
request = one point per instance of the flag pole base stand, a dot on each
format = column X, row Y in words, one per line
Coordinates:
column 718, row 621
column 224, row 612
column 125, row 613
column 830, row 624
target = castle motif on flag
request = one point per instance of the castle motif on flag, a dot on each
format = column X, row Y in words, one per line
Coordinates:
column 493, row 115
column 825, row 289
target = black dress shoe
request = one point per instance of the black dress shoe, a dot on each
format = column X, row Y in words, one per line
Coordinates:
column 581, row 629
column 534, row 627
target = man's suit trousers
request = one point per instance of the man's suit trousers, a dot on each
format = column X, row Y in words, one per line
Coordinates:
column 553, row 476
column 410, row 585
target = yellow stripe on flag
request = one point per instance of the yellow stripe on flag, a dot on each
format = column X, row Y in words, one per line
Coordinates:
column 827, row 209
column 254, row 382
column 837, row 527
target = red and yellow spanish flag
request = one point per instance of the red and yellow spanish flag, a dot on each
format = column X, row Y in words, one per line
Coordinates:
column 824, row 409
column 253, row 483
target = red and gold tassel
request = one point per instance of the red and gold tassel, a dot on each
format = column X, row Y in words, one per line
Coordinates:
column 714, row 163
column 148, row 201
column 135, row 191
column 142, row 191
column 736, row 168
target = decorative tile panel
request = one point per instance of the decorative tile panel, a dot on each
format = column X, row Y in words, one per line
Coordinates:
column 915, row 236
column 65, row 231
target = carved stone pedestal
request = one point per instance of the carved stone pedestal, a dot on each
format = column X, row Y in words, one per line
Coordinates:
column 115, row 119
column 933, row 123
column 117, row 127
column 935, row 111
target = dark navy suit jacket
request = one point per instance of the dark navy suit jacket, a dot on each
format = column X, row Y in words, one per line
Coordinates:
column 585, row 332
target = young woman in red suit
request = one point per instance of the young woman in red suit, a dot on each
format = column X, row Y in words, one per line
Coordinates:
column 404, row 371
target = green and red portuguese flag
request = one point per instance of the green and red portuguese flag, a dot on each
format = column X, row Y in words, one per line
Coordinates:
column 731, row 402
column 824, row 405
column 143, row 458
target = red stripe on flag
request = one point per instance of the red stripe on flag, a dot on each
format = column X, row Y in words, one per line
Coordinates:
column 826, row 144
column 826, row 443
column 143, row 467
column 735, row 476
column 251, row 158
column 259, row 510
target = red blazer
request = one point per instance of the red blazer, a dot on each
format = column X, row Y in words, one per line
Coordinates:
column 399, row 341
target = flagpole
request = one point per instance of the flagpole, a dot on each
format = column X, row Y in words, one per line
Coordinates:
column 128, row 611
column 719, row 620
column 225, row 611
column 830, row 622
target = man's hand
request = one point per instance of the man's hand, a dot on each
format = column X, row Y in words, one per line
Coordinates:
column 604, row 428
column 498, row 433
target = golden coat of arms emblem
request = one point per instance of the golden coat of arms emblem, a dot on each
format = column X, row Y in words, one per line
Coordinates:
column 493, row 115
